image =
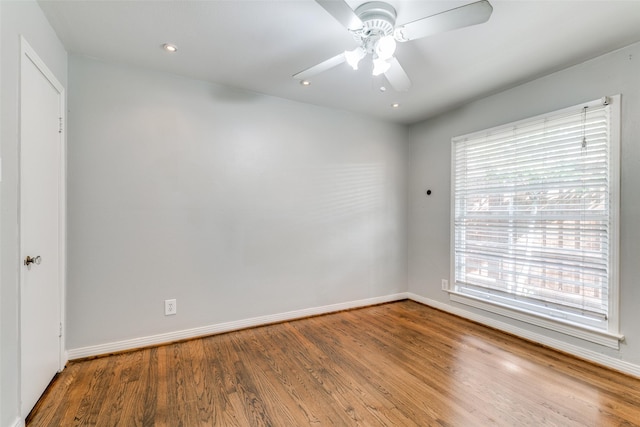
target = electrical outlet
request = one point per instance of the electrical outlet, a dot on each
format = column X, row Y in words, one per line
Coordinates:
column 445, row 285
column 170, row 307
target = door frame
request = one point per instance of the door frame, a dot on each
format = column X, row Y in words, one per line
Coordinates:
column 27, row 53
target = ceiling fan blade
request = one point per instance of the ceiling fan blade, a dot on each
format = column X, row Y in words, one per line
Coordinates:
column 342, row 13
column 319, row 68
column 463, row 16
column 397, row 76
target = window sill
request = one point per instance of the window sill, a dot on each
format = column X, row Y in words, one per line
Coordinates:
column 604, row 338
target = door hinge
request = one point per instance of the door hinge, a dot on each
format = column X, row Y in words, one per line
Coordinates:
column 60, row 331
column 60, row 129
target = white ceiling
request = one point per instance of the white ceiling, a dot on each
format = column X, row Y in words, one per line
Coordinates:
column 259, row 44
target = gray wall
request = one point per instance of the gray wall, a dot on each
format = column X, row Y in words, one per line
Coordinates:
column 236, row 204
column 26, row 18
column 430, row 167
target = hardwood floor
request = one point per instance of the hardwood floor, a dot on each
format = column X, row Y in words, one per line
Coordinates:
column 398, row 364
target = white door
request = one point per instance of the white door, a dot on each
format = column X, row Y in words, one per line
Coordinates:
column 41, row 226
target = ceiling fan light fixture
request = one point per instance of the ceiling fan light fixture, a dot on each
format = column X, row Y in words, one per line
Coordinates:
column 386, row 47
column 354, row 56
column 380, row 66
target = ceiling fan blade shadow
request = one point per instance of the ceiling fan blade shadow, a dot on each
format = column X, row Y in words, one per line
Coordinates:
column 397, row 76
column 341, row 11
column 319, row 68
column 460, row 17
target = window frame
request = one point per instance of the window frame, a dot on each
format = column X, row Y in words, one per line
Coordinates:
column 607, row 335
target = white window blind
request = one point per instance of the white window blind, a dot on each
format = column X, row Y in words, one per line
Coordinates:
column 532, row 215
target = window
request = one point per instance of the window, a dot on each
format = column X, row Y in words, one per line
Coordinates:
column 535, row 219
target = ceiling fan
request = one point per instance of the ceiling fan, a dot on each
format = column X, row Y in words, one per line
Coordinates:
column 373, row 26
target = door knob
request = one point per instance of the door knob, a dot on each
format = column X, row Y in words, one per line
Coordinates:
column 35, row 260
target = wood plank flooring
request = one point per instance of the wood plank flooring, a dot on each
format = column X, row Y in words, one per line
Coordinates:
column 397, row 364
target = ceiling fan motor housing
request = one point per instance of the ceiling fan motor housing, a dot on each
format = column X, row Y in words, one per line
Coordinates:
column 378, row 18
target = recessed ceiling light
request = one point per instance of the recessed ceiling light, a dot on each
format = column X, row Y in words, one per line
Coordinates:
column 395, row 105
column 382, row 88
column 170, row 47
column 305, row 82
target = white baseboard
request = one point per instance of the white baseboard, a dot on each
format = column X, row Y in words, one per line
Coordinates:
column 96, row 350
column 19, row 422
column 593, row 356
